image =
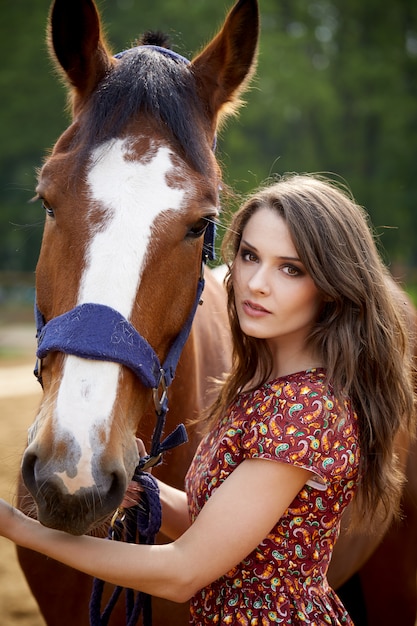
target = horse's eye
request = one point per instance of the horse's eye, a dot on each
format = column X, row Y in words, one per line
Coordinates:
column 48, row 209
column 198, row 229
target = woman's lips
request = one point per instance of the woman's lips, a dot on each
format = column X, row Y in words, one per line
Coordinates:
column 254, row 310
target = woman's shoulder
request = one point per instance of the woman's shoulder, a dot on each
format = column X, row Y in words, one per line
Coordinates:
column 297, row 419
column 294, row 397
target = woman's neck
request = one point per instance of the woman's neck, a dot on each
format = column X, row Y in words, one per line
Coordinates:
column 287, row 362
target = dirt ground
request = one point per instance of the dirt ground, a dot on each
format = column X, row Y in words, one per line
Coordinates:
column 19, row 399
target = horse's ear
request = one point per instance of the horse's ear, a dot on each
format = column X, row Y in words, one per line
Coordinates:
column 227, row 63
column 77, row 43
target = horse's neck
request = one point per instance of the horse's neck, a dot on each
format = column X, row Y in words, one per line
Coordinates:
column 206, row 353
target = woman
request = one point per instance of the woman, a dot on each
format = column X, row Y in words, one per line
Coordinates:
column 302, row 423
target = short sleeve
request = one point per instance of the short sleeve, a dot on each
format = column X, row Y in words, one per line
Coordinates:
column 300, row 425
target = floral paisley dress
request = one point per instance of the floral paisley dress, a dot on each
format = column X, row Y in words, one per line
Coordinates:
column 293, row 420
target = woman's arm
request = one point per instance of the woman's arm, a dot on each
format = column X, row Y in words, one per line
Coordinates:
column 233, row 522
column 175, row 515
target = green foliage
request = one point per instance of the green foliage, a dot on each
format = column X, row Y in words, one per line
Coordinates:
column 335, row 91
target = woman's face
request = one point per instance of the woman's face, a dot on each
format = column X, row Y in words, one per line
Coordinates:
column 275, row 298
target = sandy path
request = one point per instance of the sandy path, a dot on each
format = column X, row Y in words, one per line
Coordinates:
column 19, row 398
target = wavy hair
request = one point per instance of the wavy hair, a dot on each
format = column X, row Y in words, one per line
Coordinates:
column 362, row 336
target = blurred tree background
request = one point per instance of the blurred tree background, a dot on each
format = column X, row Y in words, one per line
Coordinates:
column 335, row 91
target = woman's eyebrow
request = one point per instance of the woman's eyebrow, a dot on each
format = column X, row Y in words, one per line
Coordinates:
column 246, row 243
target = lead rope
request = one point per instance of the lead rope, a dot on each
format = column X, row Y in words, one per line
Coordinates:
column 141, row 522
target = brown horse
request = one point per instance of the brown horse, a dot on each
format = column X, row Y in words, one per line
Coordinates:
column 131, row 191
column 137, row 164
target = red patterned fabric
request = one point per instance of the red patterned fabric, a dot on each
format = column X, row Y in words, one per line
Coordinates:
column 293, row 420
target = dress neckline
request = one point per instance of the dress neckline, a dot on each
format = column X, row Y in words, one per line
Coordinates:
column 287, row 378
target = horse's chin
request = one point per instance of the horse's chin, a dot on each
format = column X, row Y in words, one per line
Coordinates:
column 101, row 527
column 76, row 514
column 98, row 528
column 67, row 519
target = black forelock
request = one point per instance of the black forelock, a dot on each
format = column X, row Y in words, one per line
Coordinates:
column 154, row 38
column 145, row 80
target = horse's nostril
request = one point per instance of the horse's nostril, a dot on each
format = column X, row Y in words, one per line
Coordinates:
column 116, row 490
column 28, row 471
column 110, row 483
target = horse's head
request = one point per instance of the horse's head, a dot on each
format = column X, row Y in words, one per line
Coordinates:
column 129, row 191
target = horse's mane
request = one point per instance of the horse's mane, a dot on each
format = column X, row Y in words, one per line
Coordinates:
column 147, row 81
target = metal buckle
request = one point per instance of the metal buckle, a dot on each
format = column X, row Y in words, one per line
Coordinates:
column 118, row 516
column 151, row 462
column 203, row 266
column 160, row 400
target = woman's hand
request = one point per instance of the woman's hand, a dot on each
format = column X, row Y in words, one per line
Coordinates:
column 133, row 491
column 10, row 519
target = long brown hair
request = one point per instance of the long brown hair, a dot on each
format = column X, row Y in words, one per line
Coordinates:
column 361, row 336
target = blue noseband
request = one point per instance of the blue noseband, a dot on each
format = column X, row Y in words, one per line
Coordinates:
column 99, row 332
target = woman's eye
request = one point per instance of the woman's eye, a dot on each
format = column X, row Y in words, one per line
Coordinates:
column 291, row 270
column 247, row 255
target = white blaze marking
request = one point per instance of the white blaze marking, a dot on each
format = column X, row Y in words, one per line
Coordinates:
column 129, row 196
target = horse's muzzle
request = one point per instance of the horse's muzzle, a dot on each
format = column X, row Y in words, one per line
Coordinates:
column 78, row 512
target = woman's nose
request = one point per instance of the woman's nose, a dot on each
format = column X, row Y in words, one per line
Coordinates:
column 259, row 281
